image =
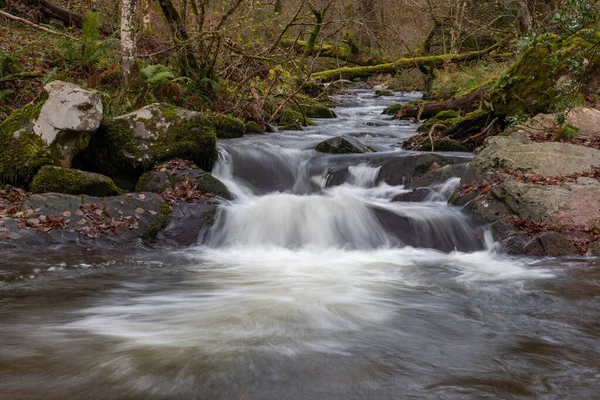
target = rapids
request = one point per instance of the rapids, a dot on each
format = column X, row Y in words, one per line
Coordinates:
column 312, row 284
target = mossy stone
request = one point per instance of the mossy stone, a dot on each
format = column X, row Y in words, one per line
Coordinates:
column 207, row 183
column 72, row 181
column 314, row 109
column 22, row 152
column 228, row 127
column 292, row 118
column 393, row 109
column 133, row 143
column 341, row 145
column 447, row 117
column 384, row 93
column 449, row 145
column 252, row 128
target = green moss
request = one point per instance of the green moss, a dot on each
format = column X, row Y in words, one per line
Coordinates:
column 372, row 149
column 150, row 233
column 291, row 117
column 449, row 145
column 22, row 152
column 314, row 109
column 252, row 127
column 72, row 181
column 165, row 214
column 566, row 132
column 344, row 147
column 143, row 181
column 383, row 93
column 227, row 127
column 209, row 184
column 447, row 117
column 210, row 217
column 541, row 81
column 392, row 110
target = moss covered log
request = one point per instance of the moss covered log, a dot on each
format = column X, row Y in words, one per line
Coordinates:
column 403, row 63
column 338, row 51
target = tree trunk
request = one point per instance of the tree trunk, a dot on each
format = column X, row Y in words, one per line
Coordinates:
column 128, row 43
column 187, row 59
column 428, row 110
column 403, row 63
column 319, row 15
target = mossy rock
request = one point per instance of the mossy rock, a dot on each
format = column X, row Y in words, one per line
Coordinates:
column 72, row 181
column 541, row 80
column 207, row 183
column 22, row 152
column 252, row 128
column 228, row 127
column 341, row 145
column 314, row 109
column 293, row 118
column 131, row 144
column 393, row 109
column 447, row 117
column 384, row 93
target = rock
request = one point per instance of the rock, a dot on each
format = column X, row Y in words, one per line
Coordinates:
column 586, row 122
column 50, row 130
column 416, row 196
column 188, row 223
column 72, row 181
column 535, row 186
column 228, row 127
column 544, row 159
column 409, row 169
column 50, row 204
column 170, row 174
column 383, row 93
column 252, row 128
column 341, row 145
column 291, row 119
column 440, row 175
column 551, row 244
column 314, row 109
column 128, row 145
column 393, row 109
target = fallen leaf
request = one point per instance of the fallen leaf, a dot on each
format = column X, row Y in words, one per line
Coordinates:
column 139, row 210
column 66, row 214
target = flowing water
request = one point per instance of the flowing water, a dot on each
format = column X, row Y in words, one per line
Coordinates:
column 312, row 284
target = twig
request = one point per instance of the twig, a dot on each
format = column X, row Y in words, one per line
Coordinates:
column 20, row 75
column 36, row 26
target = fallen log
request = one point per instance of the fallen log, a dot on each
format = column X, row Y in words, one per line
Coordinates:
column 338, row 51
column 428, row 110
column 403, row 63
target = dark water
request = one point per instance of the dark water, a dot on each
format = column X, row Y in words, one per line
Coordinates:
column 305, row 290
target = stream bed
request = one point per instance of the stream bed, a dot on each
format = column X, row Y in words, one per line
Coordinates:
column 313, row 284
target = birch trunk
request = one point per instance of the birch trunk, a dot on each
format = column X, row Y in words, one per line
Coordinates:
column 128, row 44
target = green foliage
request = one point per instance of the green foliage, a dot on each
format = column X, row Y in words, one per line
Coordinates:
column 158, row 74
column 91, row 51
column 464, row 79
column 566, row 132
column 577, row 14
column 8, row 64
column 517, row 119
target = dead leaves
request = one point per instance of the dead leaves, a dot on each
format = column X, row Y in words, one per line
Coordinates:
column 184, row 191
column 44, row 223
column 10, row 201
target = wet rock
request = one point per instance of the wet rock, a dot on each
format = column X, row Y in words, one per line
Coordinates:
column 417, row 195
column 50, row 130
column 169, row 175
column 128, row 145
column 439, row 175
column 540, row 187
column 72, row 181
column 188, row 223
column 342, row 145
column 384, row 93
column 406, row 169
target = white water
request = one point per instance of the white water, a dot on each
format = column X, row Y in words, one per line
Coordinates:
column 305, row 267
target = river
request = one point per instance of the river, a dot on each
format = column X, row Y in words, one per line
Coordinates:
column 312, row 284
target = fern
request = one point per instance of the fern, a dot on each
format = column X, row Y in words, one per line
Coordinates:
column 8, row 64
column 90, row 52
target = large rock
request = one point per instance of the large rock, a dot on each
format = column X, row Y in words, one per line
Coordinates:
column 72, row 181
column 128, row 145
column 540, row 188
column 341, row 145
column 50, row 130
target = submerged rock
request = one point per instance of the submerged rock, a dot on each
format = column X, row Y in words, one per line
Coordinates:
column 72, row 181
column 342, row 145
column 131, row 144
column 50, row 130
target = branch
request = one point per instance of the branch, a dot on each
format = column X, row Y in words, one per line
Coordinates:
column 36, row 26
